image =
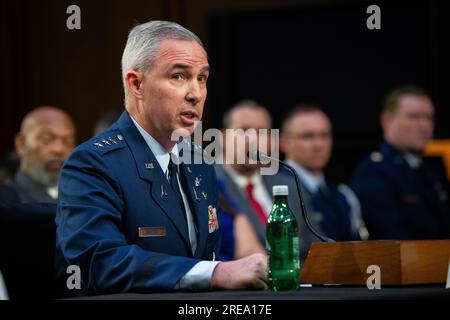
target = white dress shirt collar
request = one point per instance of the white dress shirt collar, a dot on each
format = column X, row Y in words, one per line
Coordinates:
column 412, row 160
column 241, row 180
column 260, row 192
column 52, row 192
column 161, row 154
column 308, row 180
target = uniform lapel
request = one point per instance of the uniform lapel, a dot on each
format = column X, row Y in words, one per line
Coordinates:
column 150, row 171
column 198, row 203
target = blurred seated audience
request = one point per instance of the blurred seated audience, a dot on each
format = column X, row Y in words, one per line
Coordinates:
column 403, row 196
column 9, row 164
column 306, row 141
column 8, row 196
column 45, row 140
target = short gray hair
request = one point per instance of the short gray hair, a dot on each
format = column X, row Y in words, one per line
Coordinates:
column 144, row 41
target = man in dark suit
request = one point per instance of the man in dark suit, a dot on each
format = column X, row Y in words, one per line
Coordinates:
column 129, row 215
column 402, row 195
column 244, row 181
column 8, row 196
column 306, row 141
column 46, row 138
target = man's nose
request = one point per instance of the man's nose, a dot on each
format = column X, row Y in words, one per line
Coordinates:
column 318, row 141
column 58, row 147
column 426, row 124
column 194, row 94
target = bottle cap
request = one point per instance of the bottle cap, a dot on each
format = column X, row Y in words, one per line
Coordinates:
column 280, row 190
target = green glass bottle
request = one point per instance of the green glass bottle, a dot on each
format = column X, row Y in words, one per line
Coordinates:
column 282, row 244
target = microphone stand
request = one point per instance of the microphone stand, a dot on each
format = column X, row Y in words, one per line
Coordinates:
column 256, row 155
column 302, row 203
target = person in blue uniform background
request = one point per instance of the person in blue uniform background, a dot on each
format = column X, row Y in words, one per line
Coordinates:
column 130, row 216
column 402, row 195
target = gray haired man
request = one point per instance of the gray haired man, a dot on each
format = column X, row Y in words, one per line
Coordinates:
column 128, row 216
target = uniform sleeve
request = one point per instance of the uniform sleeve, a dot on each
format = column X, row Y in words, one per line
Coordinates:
column 199, row 277
column 89, row 223
column 377, row 194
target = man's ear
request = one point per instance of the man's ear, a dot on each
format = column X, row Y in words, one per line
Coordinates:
column 284, row 145
column 133, row 81
column 19, row 144
column 385, row 120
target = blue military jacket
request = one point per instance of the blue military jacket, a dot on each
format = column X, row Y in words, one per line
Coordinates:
column 329, row 209
column 121, row 223
column 400, row 202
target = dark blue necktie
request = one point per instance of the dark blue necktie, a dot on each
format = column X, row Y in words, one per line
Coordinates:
column 173, row 172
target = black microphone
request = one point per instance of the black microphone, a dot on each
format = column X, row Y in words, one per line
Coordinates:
column 256, row 155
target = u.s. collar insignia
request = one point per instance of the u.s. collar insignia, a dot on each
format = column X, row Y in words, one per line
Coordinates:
column 213, row 223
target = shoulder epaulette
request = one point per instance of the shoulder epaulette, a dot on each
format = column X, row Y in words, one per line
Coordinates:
column 108, row 142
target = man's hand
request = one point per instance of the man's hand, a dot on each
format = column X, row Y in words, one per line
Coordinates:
column 246, row 273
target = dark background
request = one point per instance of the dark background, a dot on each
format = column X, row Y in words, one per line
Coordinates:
column 278, row 52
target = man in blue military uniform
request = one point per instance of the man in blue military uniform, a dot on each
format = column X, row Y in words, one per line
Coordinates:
column 307, row 141
column 402, row 196
column 129, row 216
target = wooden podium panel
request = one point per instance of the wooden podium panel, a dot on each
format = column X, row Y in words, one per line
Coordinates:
column 401, row 262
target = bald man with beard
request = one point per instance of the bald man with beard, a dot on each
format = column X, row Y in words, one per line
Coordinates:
column 46, row 138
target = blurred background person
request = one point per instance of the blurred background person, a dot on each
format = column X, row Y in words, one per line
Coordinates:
column 46, row 138
column 9, row 164
column 238, row 237
column 402, row 195
column 307, row 141
column 245, row 185
column 8, row 197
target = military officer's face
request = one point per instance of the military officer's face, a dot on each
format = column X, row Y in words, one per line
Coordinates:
column 410, row 127
column 308, row 141
column 174, row 89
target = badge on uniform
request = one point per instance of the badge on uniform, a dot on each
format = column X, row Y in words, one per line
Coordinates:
column 213, row 223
